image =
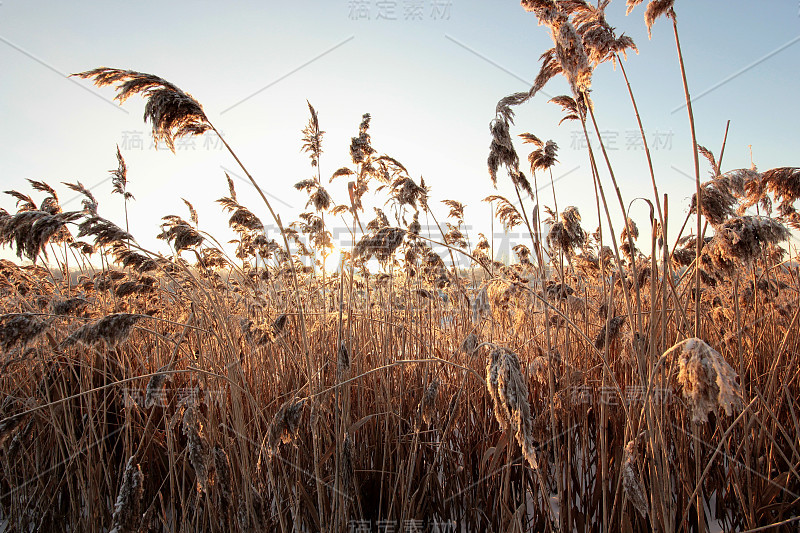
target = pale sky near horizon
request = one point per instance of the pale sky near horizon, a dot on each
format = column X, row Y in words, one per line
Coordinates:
column 430, row 72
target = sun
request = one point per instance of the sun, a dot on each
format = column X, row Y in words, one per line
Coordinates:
column 333, row 259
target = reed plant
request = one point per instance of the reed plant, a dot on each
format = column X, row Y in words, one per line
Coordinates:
column 598, row 383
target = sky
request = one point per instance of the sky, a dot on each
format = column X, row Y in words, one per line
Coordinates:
column 430, row 72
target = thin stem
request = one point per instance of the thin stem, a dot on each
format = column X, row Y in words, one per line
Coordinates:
column 697, row 317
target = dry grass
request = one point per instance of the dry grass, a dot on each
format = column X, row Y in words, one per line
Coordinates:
column 593, row 385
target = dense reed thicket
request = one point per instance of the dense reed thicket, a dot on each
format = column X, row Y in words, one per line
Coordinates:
column 602, row 382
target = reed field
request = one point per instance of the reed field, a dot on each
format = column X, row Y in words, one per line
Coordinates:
column 603, row 381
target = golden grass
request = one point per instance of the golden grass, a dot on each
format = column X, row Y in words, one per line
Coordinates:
column 591, row 386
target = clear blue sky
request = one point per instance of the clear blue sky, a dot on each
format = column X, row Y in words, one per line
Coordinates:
column 430, row 78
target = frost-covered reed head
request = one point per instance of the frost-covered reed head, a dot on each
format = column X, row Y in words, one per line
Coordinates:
column 172, row 112
column 741, row 240
column 708, row 381
column 509, row 393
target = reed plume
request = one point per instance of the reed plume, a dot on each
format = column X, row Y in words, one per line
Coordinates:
column 426, row 410
column 68, row 306
column 312, row 136
column 119, row 180
column 509, row 394
column 741, row 240
column 718, row 202
column 20, row 328
column 381, row 244
column 655, row 9
column 708, row 381
column 197, row 446
column 566, row 234
column 172, row 112
column 630, row 479
column 112, row 330
column 285, row 424
column 104, row 231
column 30, row 231
column 127, row 510
column 154, row 392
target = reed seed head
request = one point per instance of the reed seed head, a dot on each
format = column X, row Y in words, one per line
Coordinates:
column 197, row 447
column 708, row 381
column 172, row 112
column 20, row 328
column 127, row 510
column 630, row 479
column 509, row 394
column 285, row 424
